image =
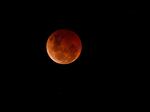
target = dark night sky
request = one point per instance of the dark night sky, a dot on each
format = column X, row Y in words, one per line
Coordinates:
column 103, row 70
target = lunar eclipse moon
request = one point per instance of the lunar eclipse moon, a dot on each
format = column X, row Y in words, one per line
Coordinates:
column 63, row 46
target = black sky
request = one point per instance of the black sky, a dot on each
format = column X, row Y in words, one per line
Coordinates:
column 104, row 68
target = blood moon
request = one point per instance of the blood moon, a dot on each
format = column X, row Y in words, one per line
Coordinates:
column 63, row 46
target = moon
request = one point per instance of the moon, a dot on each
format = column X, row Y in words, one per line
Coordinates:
column 63, row 46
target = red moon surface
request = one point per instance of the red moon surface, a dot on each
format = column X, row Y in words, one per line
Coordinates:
column 63, row 46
